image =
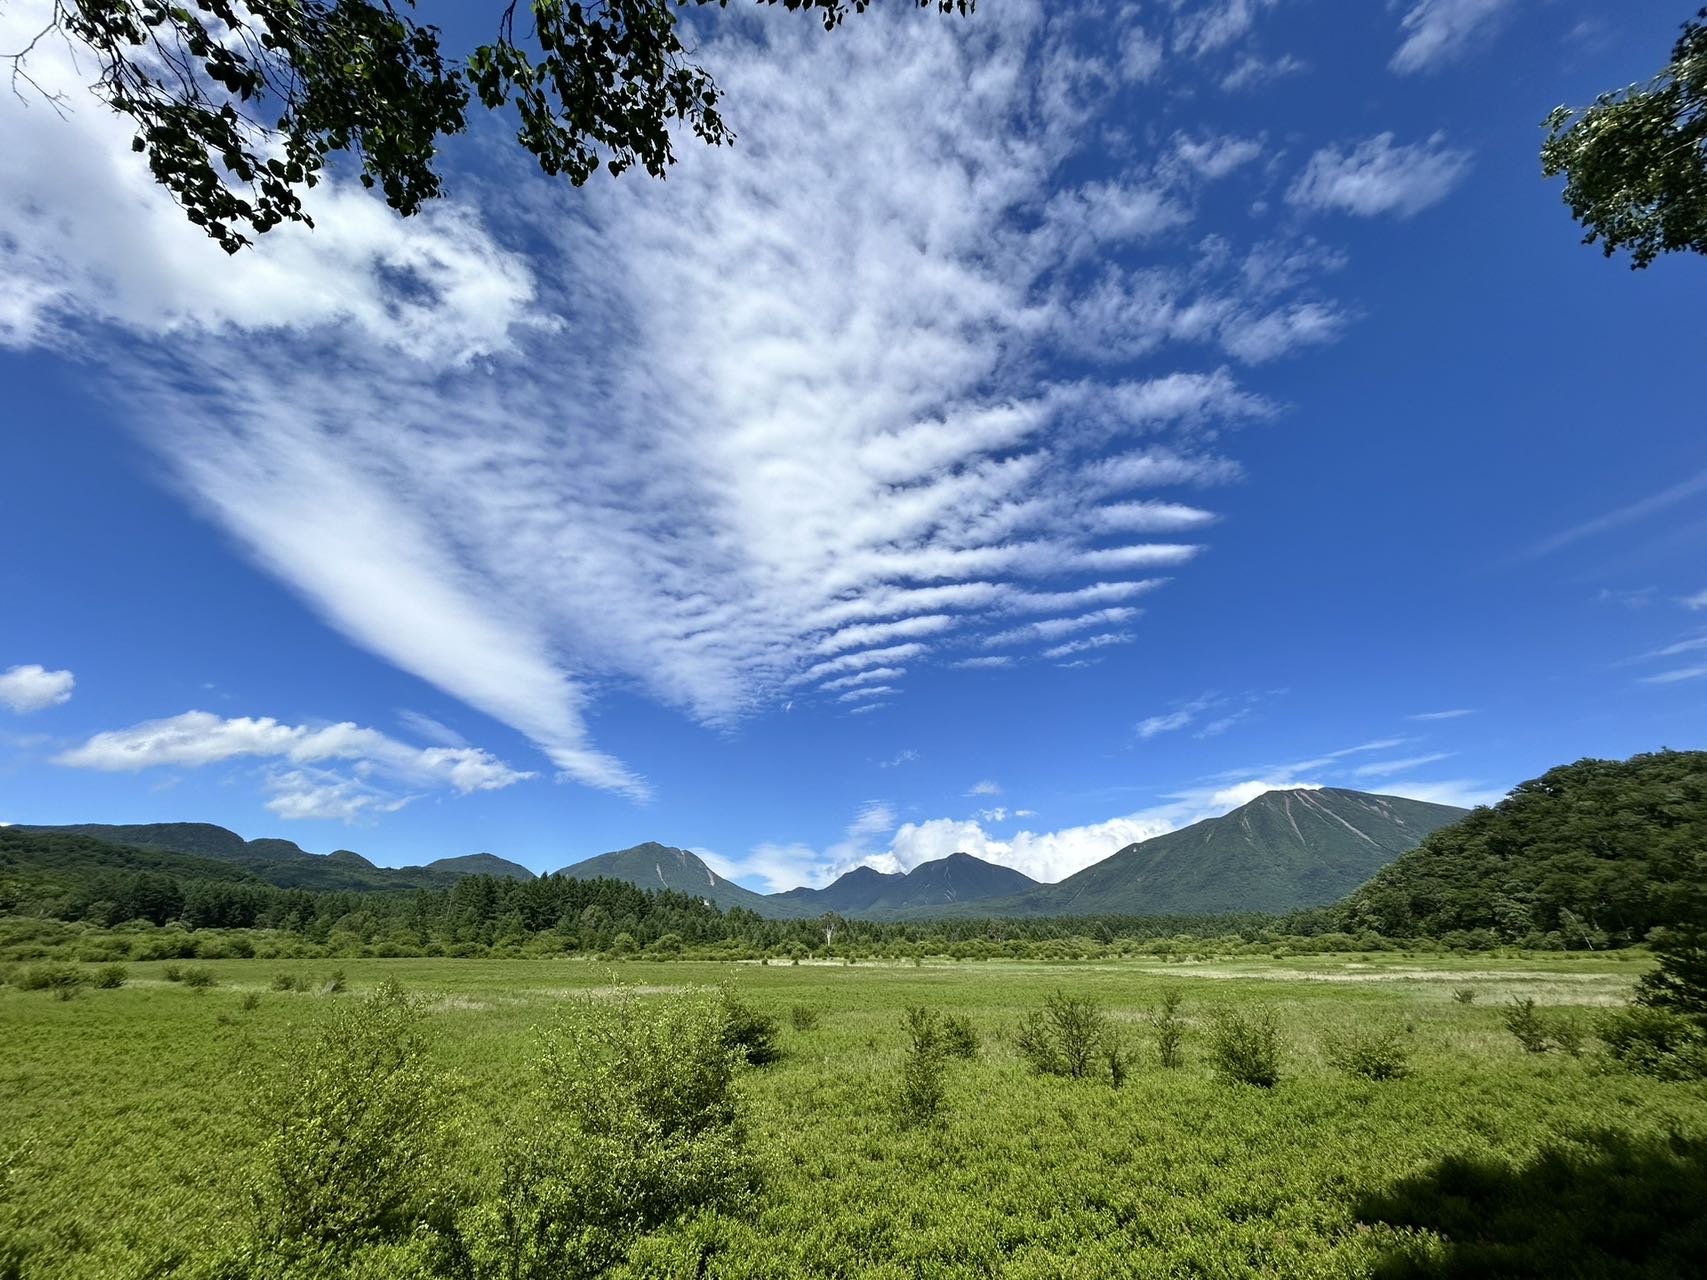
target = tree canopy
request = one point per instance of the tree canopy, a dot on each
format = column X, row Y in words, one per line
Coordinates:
column 239, row 105
column 1595, row 853
column 1635, row 163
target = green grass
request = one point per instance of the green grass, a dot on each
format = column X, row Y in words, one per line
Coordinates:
column 136, row 1132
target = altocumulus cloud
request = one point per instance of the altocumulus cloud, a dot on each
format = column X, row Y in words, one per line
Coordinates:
column 805, row 429
column 304, row 763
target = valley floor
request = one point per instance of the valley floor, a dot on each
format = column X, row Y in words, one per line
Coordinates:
column 129, row 1131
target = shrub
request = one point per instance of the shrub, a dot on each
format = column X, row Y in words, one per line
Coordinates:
column 1526, row 1024
column 922, row 1074
column 335, row 983
column 1655, row 1042
column 199, row 979
column 63, row 980
column 1246, row 1049
column 173, row 973
column 748, row 1033
column 353, row 1151
column 1371, row 1055
column 960, row 1038
column 251, row 1001
column 632, row 1120
column 1169, row 1026
column 1064, row 1038
column 109, row 977
column 289, row 982
column 1464, row 995
column 803, row 1017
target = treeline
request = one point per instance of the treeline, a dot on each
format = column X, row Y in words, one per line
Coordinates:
column 125, row 891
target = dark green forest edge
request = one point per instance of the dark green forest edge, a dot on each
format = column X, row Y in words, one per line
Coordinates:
column 1594, row 855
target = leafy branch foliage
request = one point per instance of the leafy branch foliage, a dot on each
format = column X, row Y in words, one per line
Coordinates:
column 239, row 106
column 1635, row 163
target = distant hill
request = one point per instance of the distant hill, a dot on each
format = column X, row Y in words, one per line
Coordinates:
column 1282, row 851
column 958, row 879
column 1597, row 852
column 657, row 866
column 285, row 863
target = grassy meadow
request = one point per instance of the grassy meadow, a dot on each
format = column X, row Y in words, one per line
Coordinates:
column 128, row 1128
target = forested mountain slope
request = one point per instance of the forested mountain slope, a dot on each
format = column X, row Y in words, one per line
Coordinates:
column 1597, row 852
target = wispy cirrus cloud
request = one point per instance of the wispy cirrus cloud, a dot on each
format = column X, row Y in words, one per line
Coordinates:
column 1379, row 176
column 1439, row 31
column 805, row 431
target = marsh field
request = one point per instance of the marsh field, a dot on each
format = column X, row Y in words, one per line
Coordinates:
column 129, row 1125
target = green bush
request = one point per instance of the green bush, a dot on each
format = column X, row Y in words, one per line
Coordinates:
column 1527, row 1025
column 1064, row 1038
column 353, row 1150
column 960, row 1038
column 198, row 978
column 1246, row 1049
column 1168, row 1024
column 173, row 973
column 289, row 982
column 923, row 1085
column 60, row 979
column 110, row 977
column 1655, row 1042
column 1371, row 1054
column 803, row 1017
column 631, row 1121
column 749, row 1033
column 1464, row 995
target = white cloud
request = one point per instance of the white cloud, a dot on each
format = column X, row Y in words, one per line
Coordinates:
column 1437, row 31
column 1085, row 644
column 1252, row 71
column 1641, row 509
column 1377, row 177
column 985, row 788
column 1456, row 713
column 868, row 691
column 900, row 758
column 991, row 663
column 1387, row 768
column 1207, row 28
column 303, row 785
column 1676, row 675
column 802, row 416
column 1055, row 628
column 424, row 726
column 1696, row 601
column 1183, row 715
column 32, row 687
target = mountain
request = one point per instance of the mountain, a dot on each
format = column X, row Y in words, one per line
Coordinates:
column 1282, row 851
column 285, row 863
column 657, row 866
column 477, row 864
column 1595, row 853
column 929, row 887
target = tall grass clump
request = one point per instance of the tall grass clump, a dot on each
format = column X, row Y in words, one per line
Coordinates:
column 353, row 1150
column 632, row 1119
column 1246, row 1048
column 804, row 1017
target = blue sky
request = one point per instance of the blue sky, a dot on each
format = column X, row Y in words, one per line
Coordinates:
column 1038, row 431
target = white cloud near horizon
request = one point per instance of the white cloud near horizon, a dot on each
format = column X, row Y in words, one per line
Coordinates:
column 306, row 783
column 1377, row 176
column 1438, row 31
column 32, row 687
column 800, row 434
